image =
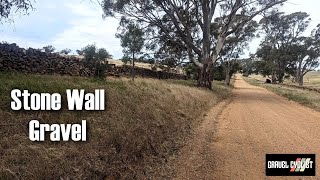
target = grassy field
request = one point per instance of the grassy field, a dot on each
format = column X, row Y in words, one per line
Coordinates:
column 143, row 65
column 145, row 123
column 311, row 79
column 303, row 96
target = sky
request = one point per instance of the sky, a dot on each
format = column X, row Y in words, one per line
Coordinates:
column 74, row 24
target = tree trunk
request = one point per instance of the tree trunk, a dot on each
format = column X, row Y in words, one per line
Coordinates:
column 227, row 80
column 273, row 77
column 132, row 71
column 205, row 76
column 227, row 68
column 280, row 77
column 296, row 76
column 300, row 79
column 281, row 72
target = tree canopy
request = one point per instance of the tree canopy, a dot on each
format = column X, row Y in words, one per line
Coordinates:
column 65, row 51
column 96, row 59
column 132, row 40
column 190, row 23
column 285, row 48
column 131, row 37
column 49, row 49
column 9, row 7
column 92, row 54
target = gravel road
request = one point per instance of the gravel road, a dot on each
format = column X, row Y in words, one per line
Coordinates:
column 235, row 136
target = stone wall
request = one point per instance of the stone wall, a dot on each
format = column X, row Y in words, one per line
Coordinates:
column 121, row 71
column 14, row 58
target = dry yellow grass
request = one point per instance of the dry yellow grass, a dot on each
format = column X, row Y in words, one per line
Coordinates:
column 311, row 79
column 143, row 65
column 138, row 64
column 144, row 124
column 303, row 96
column 120, row 63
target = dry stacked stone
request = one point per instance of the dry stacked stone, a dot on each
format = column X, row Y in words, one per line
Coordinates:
column 14, row 58
column 142, row 72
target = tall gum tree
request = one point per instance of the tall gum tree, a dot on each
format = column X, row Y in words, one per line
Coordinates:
column 234, row 46
column 191, row 23
column 281, row 33
column 132, row 40
column 306, row 54
column 285, row 48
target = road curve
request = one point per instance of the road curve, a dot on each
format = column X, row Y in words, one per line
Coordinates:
column 255, row 123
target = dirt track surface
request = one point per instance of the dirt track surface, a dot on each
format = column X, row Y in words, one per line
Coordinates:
column 233, row 144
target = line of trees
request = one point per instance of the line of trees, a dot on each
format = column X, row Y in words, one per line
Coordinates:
column 285, row 49
column 200, row 28
column 212, row 34
column 94, row 58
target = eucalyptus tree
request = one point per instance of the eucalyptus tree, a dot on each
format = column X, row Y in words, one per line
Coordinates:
column 234, row 47
column 9, row 7
column 190, row 21
column 132, row 40
column 49, row 49
column 170, row 53
column 306, row 55
column 267, row 66
column 282, row 32
column 95, row 59
column 65, row 51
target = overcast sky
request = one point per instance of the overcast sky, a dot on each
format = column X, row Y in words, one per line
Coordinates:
column 74, row 24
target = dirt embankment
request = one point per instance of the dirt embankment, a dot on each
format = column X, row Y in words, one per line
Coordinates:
column 144, row 124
